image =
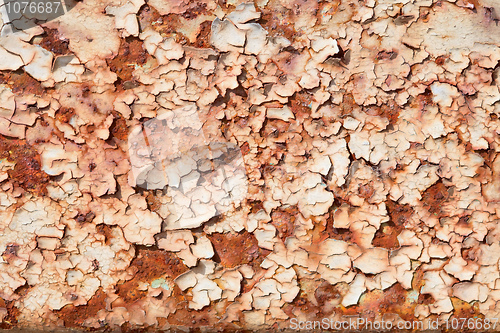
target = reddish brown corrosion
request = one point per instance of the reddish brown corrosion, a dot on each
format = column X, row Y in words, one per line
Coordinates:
column 153, row 202
column 27, row 172
column 21, row 82
column 130, row 53
column 387, row 235
column 52, row 42
column 149, row 265
column 237, row 249
column 119, row 127
column 283, row 220
column 278, row 23
column 390, row 111
column 203, row 37
column 10, row 320
column 194, row 12
column 64, row 114
column 435, row 197
column 75, row 316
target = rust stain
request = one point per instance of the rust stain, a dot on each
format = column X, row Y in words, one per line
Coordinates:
column 283, row 220
column 118, row 128
column 27, row 172
column 21, row 82
column 131, row 53
column 278, row 22
column 75, row 316
column 149, row 264
column 13, row 313
column 390, row 111
column 203, row 37
column 237, row 249
column 386, row 236
column 52, row 42
column 435, row 197
column 65, row 114
column 154, row 204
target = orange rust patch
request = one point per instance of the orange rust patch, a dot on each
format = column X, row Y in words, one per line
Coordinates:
column 203, row 38
column 237, row 249
column 386, row 236
column 348, row 104
column 434, row 198
column 278, row 22
column 245, row 148
column 305, row 306
column 106, row 231
column 464, row 309
column 21, row 82
column 51, row 41
column 10, row 320
column 390, row 111
column 75, row 316
column 27, row 172
column 283, row 220
column 423, row 100
column 119, row 127
column 153, row 203
column 130, row 53
column 184, row 316
column 300, row 105
column 149, row 264
column 167, row 25
column 274, row 127
column 65, row 114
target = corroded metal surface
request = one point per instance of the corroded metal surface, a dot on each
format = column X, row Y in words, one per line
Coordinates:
column 231, row 166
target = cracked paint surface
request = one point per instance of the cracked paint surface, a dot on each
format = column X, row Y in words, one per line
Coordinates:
column 228, row 165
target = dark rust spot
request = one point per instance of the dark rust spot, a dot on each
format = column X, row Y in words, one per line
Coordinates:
column 51, row 41
column 390, row 111
column 386, row 55
column 278, row 22
column 387, row 235
column 10, row 252
column 195, row 11
column 87, row 217
column 366, row 191
column 153, row 202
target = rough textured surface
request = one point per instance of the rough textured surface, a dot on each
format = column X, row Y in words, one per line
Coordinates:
column 225, row 165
